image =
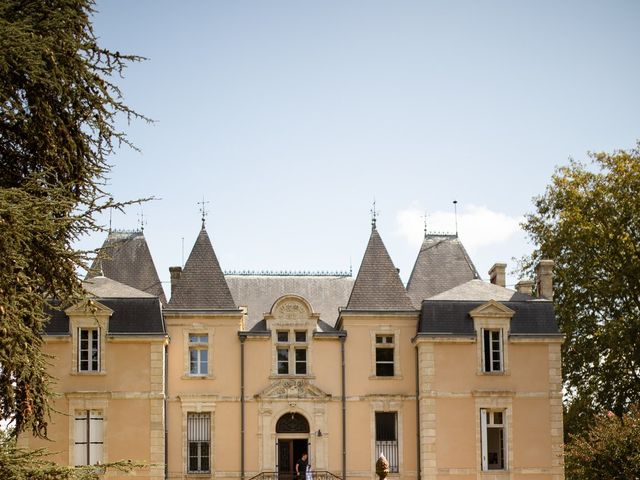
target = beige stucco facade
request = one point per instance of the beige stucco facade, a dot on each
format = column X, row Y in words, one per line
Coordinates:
column 222, row 391
column 126, row 392
column 454, row 390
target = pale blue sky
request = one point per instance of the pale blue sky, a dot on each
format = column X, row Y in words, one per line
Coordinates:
column 290, row 116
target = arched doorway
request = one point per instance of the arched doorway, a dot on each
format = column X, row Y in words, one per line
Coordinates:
column 292, row 432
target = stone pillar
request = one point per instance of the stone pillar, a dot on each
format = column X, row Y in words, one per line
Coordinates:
column 426, row 371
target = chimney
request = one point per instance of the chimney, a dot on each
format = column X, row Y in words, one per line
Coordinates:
column 525, row 286
column 497, row 274
column 175, row 273
column 544, row 279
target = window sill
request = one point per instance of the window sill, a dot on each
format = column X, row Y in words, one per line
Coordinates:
column 491, row 474
column 292, row 376
column 89, row 374
column 390, row 377
column 504, row 373
column 197, row 377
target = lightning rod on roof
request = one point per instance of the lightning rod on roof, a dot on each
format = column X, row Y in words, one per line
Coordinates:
column 374, row 215
column 110, row 213
column 182, row 254
column 141, row 220
column 455, row 214
column 203, row 210
column 424, row 217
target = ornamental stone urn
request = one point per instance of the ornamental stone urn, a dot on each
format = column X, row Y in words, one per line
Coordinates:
column 382, row 467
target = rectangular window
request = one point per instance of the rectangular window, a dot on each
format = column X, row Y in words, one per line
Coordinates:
column 198, row 354
column 88, row 437
column 301, row 361
column 492, row 424
column 492, row 354
column 384, row 356
column 198, row 442
column 387, row 438
column 291, row 352
column 88, row 349
column 283, row 360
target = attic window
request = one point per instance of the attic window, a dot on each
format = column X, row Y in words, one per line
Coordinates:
column 492, row 350
column 88, row 349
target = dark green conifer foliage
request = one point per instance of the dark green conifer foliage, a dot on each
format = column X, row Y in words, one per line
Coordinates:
column 19, row 464
column 59, row 110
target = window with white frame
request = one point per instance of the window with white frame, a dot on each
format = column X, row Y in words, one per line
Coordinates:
column 387, row 437
column 291, row 352
column 199, row 442
column 198, row 353
column 88, row 437
column 493, row 436
column 493, row 354
column 88, row 349
column 385, row 355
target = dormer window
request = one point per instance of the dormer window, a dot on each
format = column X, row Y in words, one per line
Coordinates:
column 492, row 321
column 88, row 349
column 291, row 352
column 492, row 350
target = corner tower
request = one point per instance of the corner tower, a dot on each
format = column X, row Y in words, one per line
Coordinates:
column 378, row 325
column 442, row 263
column 125, row 258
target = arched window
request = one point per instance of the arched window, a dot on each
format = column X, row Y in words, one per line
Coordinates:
column 292, row 423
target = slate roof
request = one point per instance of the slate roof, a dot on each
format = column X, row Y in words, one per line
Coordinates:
column 125, row 257
column 378, row 286
column 104, row 287
column 202, row 285
column 451, row 317
column 481, row 291
column 325, row 293
column 442, row 264
column 131, row 316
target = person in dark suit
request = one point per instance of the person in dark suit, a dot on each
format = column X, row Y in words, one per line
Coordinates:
column 301, row 466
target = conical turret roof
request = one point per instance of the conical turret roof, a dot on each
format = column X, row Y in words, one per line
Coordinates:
column 378, row 285
column 442, row 264
column 202, row 285
column 125, row 258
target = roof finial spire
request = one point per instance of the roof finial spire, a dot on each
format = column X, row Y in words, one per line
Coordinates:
column 141, row 220
column 455, row 214
column 203, row 210
column 374, row 215
column 424, row 217
column 110, row 212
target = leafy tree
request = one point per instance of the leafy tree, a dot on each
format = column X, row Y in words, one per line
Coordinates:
column 610, row 450
column 588, row 221
column 59, row 110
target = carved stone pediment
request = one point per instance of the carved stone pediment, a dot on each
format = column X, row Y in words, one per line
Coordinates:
column 492, row 309
column 290, row 389
column 291, row 309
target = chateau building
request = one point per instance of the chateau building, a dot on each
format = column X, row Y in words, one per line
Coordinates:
column 237, row 375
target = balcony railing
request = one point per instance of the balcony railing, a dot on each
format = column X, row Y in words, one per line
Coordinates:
column 312, row 475
column 390, row 450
